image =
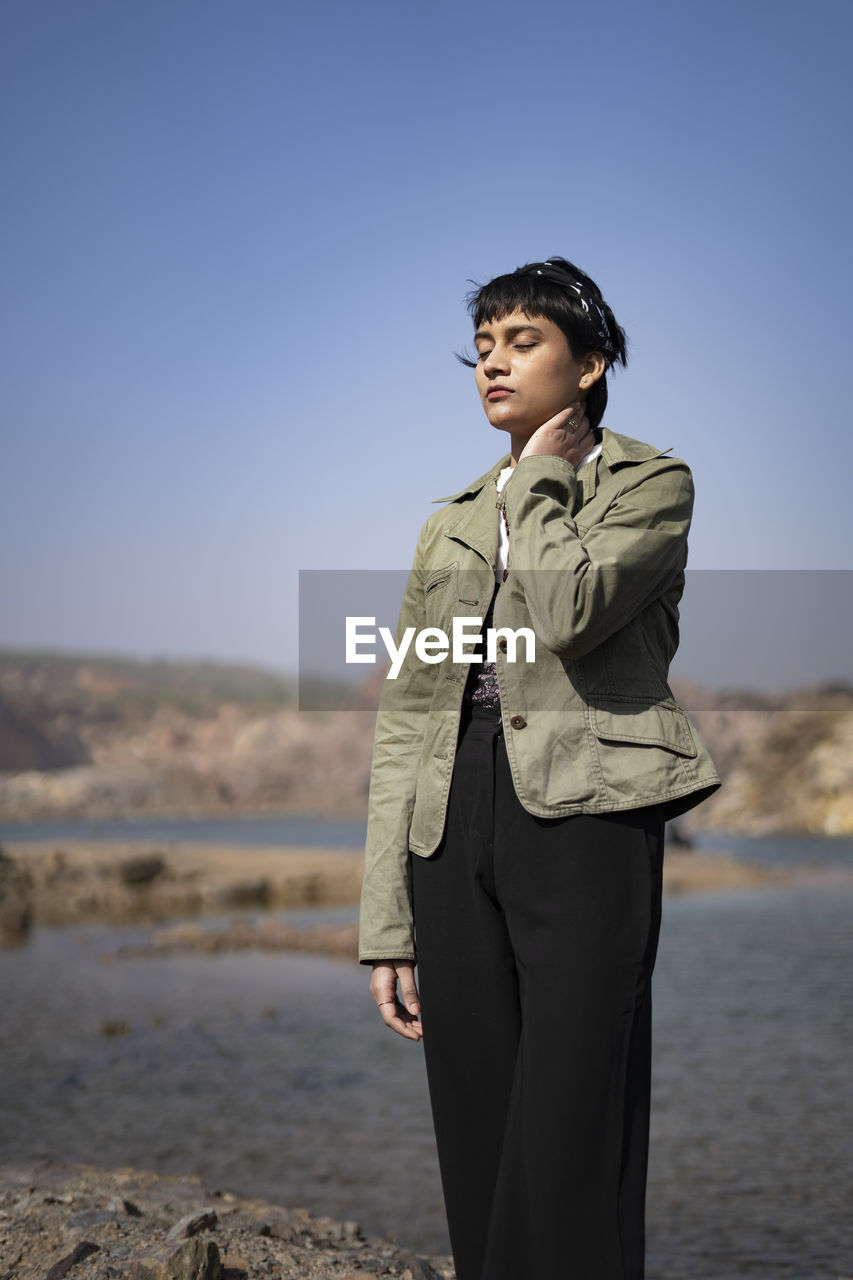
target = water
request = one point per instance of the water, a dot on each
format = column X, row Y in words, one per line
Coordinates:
column 264, row 1073
column 309, row 831
column 752, row 1146
column 781, row 850
column 288, row 829
column 270, row 1074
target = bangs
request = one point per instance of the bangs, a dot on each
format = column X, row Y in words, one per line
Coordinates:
column 533, row 295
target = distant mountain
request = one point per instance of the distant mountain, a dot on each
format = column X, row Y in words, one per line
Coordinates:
column 84, row 735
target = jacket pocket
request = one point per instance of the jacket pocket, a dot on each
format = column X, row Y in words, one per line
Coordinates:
column 440, row 596
column 653, row 724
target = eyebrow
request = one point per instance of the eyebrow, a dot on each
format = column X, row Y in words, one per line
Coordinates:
column 516, row 329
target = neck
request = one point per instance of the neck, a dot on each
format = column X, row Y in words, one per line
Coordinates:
column 517, row 444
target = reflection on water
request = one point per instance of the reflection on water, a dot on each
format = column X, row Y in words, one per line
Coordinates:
column 269, row 1074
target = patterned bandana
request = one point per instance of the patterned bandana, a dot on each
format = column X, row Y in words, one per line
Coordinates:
column 595, row 314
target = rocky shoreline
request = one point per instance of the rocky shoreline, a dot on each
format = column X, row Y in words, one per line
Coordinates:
column 122, row 883
column 88, row 1223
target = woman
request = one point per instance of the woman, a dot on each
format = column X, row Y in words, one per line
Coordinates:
column 517, row 806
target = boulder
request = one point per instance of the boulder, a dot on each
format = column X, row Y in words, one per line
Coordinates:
column 195, row 1258
column 141, row 869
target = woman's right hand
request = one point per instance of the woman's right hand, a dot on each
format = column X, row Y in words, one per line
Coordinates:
column 400, row 1014
column 567, row 435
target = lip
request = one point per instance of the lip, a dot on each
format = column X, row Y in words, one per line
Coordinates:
column 498, row 393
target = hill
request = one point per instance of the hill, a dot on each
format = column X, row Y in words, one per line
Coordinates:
column 86, row 736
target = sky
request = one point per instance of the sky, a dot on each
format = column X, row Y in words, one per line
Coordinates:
column 237, row 239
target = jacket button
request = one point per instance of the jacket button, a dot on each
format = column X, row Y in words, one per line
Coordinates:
column 502, row 644
column 517, row 722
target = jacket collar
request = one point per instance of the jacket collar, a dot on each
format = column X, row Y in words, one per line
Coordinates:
column 476, row 485
column 616, row 449
column 477, row 525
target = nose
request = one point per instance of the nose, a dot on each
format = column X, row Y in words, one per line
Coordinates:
column 496, row 362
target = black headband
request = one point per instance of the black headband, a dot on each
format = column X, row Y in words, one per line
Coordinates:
column 592, row 308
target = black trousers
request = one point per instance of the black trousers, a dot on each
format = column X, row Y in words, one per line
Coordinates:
column 536, row 942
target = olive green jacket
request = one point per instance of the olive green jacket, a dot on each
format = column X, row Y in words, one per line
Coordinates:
column 596, row 570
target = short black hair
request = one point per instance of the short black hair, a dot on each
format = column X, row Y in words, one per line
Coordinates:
column 564, row 294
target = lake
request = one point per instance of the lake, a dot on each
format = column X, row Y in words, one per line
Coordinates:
column 307, row 830
column 271, row 1075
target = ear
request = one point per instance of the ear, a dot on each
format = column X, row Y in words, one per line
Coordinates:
column 592, row 368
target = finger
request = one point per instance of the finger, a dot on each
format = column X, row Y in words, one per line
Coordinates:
column 400, row 1020
column 570, row 419
column 409, row 990
column 383, row 989
column 383, row 981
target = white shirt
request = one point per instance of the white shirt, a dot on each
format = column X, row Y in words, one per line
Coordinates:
column 503, row 537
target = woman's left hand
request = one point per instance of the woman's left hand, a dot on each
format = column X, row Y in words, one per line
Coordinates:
column 401, row 1013
column 567, row 435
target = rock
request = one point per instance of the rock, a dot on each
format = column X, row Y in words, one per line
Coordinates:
column 83, row 1249
column 283, row 1224
column 113, row 1027
column 22, row 1203
column 192, row 1259
column 236, row 1266
column 118, row 1204
column 89, row 1218
column 419, row 1267
column 15, row 900
column 192, row 1223
column 255, row 1240
column 242, row 893
column 141, row 869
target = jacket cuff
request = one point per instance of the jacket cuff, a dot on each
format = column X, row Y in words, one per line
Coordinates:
column 557, row 474
column 368, row 958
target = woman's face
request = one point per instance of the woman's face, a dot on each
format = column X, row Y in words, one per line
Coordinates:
column 525, row 372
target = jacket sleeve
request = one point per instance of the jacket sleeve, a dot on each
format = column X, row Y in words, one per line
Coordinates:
column 385, row 926
column 582, row 585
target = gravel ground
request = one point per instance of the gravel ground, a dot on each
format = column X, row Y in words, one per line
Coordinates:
column 95, row 1224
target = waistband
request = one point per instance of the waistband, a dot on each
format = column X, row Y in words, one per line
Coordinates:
column 477, row 717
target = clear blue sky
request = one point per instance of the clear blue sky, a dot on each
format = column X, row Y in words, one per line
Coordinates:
column 237, row 235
